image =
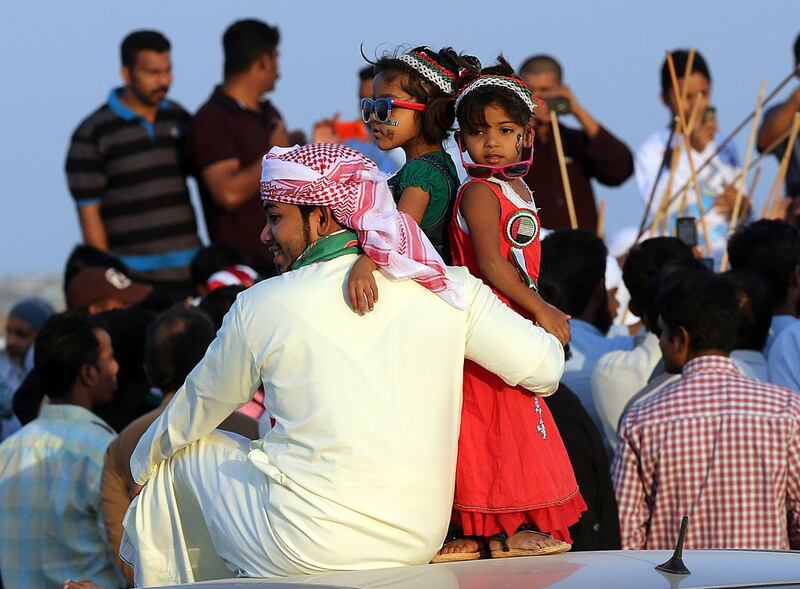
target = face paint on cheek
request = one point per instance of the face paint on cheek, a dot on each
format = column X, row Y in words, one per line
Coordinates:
column 519, row 141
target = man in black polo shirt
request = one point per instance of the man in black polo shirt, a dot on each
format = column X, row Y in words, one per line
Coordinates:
column 125, row 172
column 229, row 135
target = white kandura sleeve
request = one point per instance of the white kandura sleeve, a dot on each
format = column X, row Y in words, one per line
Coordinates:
column 225, row 379
column 507, row 344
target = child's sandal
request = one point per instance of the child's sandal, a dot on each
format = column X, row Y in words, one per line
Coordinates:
column 508, row 552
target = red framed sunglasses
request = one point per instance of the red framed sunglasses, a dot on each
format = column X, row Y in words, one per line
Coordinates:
column 505, row 172
column 382, row 107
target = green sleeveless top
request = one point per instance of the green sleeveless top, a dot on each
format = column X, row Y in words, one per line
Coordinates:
column 436, row 174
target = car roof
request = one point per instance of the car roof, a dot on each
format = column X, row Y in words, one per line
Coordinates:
column 596, row 570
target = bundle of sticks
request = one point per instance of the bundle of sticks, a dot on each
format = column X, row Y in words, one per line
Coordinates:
column 683, row 126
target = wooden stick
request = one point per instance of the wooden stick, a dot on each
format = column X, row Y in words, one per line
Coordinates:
column 687, row 146
column 692, row 123
column 779, row 177
column 738, row 128
column 748, row 154
column 661, row 213
column 775, row 213
column 754, row 182
column 601, row 218
column 562, row 163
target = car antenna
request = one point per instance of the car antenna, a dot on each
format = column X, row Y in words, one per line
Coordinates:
column 674, row 565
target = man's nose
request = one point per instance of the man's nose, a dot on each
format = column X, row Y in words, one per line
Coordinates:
column 266, row 233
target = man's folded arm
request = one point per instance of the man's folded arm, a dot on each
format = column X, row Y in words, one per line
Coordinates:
column 507, row 344
column 225, row 379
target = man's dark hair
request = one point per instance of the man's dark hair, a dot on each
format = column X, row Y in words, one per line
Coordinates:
column 680, row 57
column 211, row 259
column 644, row 261
column 771, row 248
column 218, row 302
column 668, row 274
column 472, row 109
column 141, row 41
column 65, row 343
column 797, row 50
column 706, row 306
column 87, row 256
column 575, row 261
column 245, row 41
column 540, row 64
column 176, row 341
column 755, row 309
column 366, row 73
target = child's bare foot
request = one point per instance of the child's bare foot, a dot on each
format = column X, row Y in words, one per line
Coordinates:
column 460, row 545
column 461, row 549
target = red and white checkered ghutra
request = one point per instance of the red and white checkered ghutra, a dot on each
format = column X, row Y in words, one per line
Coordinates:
column 337, row 176
column 719, row 447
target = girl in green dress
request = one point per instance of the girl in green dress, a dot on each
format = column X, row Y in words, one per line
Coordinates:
column 412, row 109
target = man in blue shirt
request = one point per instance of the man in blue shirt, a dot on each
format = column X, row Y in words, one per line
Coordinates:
column 574, row 261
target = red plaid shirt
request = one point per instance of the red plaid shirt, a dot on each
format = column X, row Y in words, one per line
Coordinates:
column 719, row 447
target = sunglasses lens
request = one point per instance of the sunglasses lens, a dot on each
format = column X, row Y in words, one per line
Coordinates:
column 479, row 172
column 383, row 107
column 515, row 170
column 366, row 109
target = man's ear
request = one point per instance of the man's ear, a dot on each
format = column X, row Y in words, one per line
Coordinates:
column 683, row 341
column 87, row 375
column 327, row 222
column 125, row 74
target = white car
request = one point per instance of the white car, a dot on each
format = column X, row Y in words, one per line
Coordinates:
column 617, row 569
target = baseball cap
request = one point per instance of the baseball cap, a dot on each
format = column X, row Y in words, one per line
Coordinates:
column 92, row 285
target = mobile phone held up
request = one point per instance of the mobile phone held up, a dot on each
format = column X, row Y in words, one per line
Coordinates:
column 558, row 105
column 686, row 228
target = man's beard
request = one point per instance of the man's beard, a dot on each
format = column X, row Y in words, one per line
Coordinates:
column 153, row 98
column 602, row 318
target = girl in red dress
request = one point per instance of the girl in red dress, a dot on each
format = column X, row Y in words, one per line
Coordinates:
column 515, row 493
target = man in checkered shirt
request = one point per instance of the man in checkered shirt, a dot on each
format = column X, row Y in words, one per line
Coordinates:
column 51, row 525
column 715, row 445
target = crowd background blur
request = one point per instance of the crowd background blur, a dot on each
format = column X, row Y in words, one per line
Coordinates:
column 173, row 194
column 610, row 54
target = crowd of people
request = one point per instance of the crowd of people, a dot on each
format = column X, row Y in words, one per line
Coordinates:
column 407, row 340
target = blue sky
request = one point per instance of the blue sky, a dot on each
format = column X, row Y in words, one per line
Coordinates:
column 61, row 58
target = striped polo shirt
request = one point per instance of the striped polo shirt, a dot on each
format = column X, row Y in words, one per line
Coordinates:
column 133, row 168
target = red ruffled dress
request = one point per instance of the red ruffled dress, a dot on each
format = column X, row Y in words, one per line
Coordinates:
column 512, row 465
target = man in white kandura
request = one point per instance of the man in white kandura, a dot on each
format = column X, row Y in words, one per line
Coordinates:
column 358, row 470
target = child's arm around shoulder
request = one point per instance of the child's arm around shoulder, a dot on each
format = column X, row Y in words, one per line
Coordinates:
column 361, row 286
column 481, row 210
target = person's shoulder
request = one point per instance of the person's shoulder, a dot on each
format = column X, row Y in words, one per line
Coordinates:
column 653, row 405
column 269, row 109
column 655, row 140
column 175, row 110
column 210, row 110
column 94, row 123
column 767, row 396
column 481, row 189
column 130, row 435
column 285, row 289
column 786, row 342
